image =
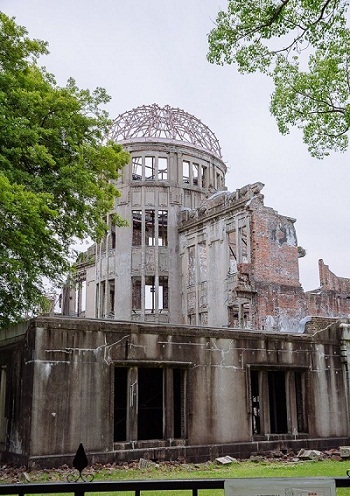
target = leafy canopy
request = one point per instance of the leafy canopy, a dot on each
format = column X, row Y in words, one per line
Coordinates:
column 304, row 45
column 57, row 174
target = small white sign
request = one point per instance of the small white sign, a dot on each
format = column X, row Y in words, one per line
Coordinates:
column 280, row 487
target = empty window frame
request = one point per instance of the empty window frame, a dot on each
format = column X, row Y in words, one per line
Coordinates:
column 149, row 168
column 162, row 228
column 277, row 400
column 204, row 177
column 156, row 295
column 111, row 298
column 219, row 181
column 113, row 237
column 232, row 252
column 136, row 294
column 186, row 172
column 162, row 168
column 195, row 173
column 155, row 225
column 243, row 241
column 158, row 414
column 136, row 227
column 163, row 293
column 150, row 228
column 150, row 294
column 136, row 168
column 240, row 314
column 102, row 309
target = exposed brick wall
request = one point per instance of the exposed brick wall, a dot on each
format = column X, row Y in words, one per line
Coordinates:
column 330, row 282
column 274, row 247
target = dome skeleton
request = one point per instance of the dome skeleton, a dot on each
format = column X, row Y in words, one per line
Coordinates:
column 152, row 121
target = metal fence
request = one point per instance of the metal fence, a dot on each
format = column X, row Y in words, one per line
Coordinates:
column 81, row 488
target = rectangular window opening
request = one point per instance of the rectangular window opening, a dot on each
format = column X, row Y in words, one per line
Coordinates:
column 136, row 227
column 149, row 168
column 162, row 168
column 232, row 249
column 150, row 294
column 102, row 298
column 150, row 228
column 163, row 292
column 186, row 172
column 204, row 177
column 162, row 228
column 243, row 243
column 195, row 173
column 136, row 167
column 113, row 237
column 136, row 293
column 111, row 284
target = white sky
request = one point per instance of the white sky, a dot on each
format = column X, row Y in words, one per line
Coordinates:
column 154, row 51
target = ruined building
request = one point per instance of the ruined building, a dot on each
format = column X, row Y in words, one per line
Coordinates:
column 194, row 253
column 187, row 333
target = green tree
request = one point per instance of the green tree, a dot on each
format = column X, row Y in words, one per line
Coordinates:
column 304, row 45
column 57, row 172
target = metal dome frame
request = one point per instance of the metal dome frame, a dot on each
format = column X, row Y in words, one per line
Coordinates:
column 153, row 121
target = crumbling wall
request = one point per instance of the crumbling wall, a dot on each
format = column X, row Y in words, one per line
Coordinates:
column 332, row 298
column 252, row 259
column 274, row 247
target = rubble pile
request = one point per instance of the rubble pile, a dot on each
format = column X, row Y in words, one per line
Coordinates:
column 10, row 474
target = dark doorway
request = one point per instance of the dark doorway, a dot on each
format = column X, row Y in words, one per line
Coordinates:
column 277, row 402
column 120, row 402
column 150, row 403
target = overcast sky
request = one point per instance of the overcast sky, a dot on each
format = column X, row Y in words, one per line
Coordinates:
column 154, row 51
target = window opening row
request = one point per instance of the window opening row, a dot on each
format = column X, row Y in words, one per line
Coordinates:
column 149, row 168
column 150, row 228
column 194, row 174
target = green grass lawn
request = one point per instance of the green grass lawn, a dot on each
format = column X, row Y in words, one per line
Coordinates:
column 241, row 469
column 326, row 468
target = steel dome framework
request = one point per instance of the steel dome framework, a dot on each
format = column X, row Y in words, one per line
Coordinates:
column 152, row 121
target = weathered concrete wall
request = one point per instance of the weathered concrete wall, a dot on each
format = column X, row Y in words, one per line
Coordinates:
column 70, row 402
column 65, row 391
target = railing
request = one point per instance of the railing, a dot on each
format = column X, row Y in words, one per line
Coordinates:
column 80, row 488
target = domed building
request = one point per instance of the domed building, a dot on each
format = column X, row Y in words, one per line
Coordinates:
column 175, row 163
column 185, row 334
